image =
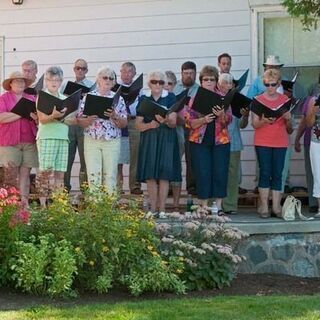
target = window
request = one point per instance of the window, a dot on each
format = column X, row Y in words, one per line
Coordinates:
column 298, row 50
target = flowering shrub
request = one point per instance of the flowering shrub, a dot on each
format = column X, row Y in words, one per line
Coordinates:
column 110, row 244
column 102, row 243
column 12, row 215
column 205, row 245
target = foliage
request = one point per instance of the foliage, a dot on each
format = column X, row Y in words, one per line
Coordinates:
column 205, row 245
column 95, row 247
column 101, row 244
column 11, row 217
column 308, row 9
column 44, row 266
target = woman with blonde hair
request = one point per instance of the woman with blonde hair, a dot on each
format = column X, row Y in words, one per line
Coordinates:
column 271, row 141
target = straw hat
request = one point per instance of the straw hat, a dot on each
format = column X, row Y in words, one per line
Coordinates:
column 15, row 75
column 273, row 61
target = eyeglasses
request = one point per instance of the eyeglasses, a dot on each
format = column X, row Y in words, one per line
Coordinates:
column 160, row 82
column 108, row 78
column 207, row 79
column 273, row 84
column 170, row 83
column 80, row 68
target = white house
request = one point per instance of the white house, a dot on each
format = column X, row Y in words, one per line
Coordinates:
column 160, row 34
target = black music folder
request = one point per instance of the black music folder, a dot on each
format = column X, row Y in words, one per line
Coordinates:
column 260, row 109
column 205, row 100
column 35, row 90
column 241, row 82
column 97, row 105
column 46, row 102
column 238, row 102
column 183, row 94
column 129, row 94
column 24, row 107
column 72, row 87
column 151, row 108
column 288, row 84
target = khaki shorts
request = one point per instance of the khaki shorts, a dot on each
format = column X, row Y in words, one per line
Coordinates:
column 20, row 155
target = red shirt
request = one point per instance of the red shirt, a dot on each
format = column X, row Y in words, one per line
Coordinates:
column 272, row 135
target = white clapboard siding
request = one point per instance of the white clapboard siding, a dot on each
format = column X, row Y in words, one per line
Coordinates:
column 154, row 34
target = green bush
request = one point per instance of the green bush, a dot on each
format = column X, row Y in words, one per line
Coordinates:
column 61, row 250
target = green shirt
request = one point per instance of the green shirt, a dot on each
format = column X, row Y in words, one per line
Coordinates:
column 54, row 129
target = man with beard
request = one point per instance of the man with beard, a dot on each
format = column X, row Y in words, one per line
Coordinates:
column 188, row 81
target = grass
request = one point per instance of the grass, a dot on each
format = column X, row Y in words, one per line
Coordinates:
column 217, row 308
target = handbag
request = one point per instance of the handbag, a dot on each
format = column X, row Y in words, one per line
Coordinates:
column 290, row 207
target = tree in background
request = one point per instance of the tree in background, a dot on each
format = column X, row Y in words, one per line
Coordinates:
column 309, row 10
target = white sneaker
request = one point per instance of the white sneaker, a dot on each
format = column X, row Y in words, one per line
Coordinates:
column 162, row 215
column 150, row 214
column 317, row 215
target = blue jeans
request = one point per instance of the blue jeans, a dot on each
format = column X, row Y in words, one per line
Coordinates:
column 210, row 166
column 271, row 162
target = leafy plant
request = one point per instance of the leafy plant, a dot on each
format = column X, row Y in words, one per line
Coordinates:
column 308, row 10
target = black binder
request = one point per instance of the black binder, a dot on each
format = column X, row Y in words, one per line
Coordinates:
column 46, row 102
column 72, row 87
column 238, row 102
column 129, row 94
column 97, row 105
column 151, row 108
column 260, row 109
column 24, row 107
column 205, row 100
column 35, row 90
column 241, row 82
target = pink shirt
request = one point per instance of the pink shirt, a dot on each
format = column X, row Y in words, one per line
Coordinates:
column 272, row 135
column 19, row 131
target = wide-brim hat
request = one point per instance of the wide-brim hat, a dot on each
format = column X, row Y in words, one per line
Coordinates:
column 273, row 61
column 15, row 75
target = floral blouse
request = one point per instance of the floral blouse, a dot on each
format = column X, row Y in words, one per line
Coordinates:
column 103, row 128
column 197, row 135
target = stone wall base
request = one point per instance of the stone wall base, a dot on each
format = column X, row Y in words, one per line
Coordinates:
column 296, row 254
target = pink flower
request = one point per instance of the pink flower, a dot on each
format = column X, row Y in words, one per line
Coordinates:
column 21, row 216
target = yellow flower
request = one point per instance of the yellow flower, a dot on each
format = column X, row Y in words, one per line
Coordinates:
column 105, row 249
column 179, row 271
column 91, row 263
column 77, row 249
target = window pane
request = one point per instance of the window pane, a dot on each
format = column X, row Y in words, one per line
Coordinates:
column 278, row 39
column 306, row 45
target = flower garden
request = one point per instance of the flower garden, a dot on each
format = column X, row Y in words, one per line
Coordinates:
column 64, row 250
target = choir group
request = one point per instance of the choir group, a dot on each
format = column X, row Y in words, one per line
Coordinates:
column 111, row 122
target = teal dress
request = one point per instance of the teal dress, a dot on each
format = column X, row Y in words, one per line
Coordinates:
column 159, row 157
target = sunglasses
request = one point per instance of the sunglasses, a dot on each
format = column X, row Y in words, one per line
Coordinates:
column 273, row 84
column 81, row 68
column 160, row 82
column 108, row 78
column 170, row 83
column 207, row 79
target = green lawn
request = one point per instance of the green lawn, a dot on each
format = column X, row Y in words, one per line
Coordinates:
column 224, row 308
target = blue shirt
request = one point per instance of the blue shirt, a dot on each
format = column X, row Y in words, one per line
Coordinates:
column 235, row 136
column 180, row 87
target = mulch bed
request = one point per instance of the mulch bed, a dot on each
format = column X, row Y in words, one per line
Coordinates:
column 253, row 284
